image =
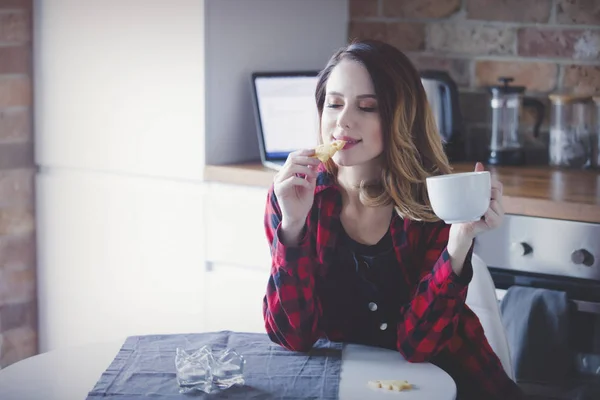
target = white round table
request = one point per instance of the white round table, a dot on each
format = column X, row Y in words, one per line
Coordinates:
column 70, row 373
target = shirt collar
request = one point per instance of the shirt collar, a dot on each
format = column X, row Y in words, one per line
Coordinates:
column 324, row 179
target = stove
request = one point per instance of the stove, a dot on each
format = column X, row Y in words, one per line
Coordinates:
column 559, row 255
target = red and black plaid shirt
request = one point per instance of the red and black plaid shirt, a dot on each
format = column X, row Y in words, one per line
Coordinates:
column 435, row 325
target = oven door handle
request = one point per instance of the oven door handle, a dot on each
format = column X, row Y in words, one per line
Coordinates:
column 587, row 306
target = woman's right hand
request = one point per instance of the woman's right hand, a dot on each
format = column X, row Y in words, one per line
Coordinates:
column 295, row 190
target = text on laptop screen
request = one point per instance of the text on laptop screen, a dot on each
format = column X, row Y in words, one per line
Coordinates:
column 288, row 113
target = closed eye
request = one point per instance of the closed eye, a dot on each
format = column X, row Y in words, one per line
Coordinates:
column 369, row 109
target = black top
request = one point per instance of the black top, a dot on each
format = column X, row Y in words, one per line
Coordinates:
column 369, row 287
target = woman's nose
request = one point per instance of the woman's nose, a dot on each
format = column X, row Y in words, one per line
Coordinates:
column 345, row 118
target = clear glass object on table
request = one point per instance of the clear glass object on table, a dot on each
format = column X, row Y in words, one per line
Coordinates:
column 208, row 371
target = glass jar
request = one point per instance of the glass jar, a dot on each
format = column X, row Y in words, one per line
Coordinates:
column 571, row 131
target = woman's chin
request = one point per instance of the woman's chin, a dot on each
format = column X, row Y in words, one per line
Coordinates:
column 342, row 161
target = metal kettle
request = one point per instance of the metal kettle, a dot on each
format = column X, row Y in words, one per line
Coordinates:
column 442, row 96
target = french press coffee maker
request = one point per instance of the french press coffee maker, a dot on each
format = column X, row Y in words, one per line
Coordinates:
column 506, row 142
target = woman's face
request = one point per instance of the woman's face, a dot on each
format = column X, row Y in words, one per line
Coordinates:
column 350, row 113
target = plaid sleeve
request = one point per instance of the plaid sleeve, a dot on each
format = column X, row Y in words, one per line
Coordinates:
column 437, row 320
column 430, row 319
column 290, row 308
column 478, row 370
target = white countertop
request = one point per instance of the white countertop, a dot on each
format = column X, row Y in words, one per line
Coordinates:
column 70, row 373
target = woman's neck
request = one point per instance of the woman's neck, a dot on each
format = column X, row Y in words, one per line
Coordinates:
column 364, row 223
column 351, row 178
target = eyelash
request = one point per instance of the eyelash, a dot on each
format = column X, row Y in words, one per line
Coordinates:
column 365, row 109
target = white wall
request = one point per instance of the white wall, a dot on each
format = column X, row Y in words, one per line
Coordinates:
column 243, row 36
column 119, row 121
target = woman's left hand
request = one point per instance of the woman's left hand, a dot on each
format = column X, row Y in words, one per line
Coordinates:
column 492, row 218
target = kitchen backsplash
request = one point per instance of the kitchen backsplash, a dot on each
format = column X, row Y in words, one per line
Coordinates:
column 18, row 311
column 546, row 45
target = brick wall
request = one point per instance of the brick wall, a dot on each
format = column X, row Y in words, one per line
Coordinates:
column 18, row 316
column 546, row 45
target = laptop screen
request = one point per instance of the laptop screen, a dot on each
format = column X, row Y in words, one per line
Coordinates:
column 286, row 112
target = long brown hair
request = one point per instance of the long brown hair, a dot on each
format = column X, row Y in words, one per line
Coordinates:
column 412, row 145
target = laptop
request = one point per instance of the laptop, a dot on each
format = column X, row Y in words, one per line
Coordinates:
column 286, row 114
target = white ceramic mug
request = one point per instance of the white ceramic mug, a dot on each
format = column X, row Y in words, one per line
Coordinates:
column 461, row 197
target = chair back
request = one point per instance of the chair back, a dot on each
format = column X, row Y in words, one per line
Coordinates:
column 481, row 298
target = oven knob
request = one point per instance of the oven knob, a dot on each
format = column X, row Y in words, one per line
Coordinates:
column 521, row 249
column 582, row 256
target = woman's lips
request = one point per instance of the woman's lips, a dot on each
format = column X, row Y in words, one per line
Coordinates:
column 349, row 145
column 349, row 142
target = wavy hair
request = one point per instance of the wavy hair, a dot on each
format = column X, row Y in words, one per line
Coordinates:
column 413, row 148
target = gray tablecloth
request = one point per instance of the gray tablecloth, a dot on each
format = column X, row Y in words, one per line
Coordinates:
column 145, row 367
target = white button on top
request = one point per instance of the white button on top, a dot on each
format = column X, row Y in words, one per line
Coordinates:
column 383, row 326
column 372, row 306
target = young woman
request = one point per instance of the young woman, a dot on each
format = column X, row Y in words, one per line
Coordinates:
column 357, row 253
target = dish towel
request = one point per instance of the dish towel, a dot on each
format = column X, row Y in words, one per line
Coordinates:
column 536, row 322
column 145, row 367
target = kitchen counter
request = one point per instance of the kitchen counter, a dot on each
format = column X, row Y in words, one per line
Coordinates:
column 533, row 191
